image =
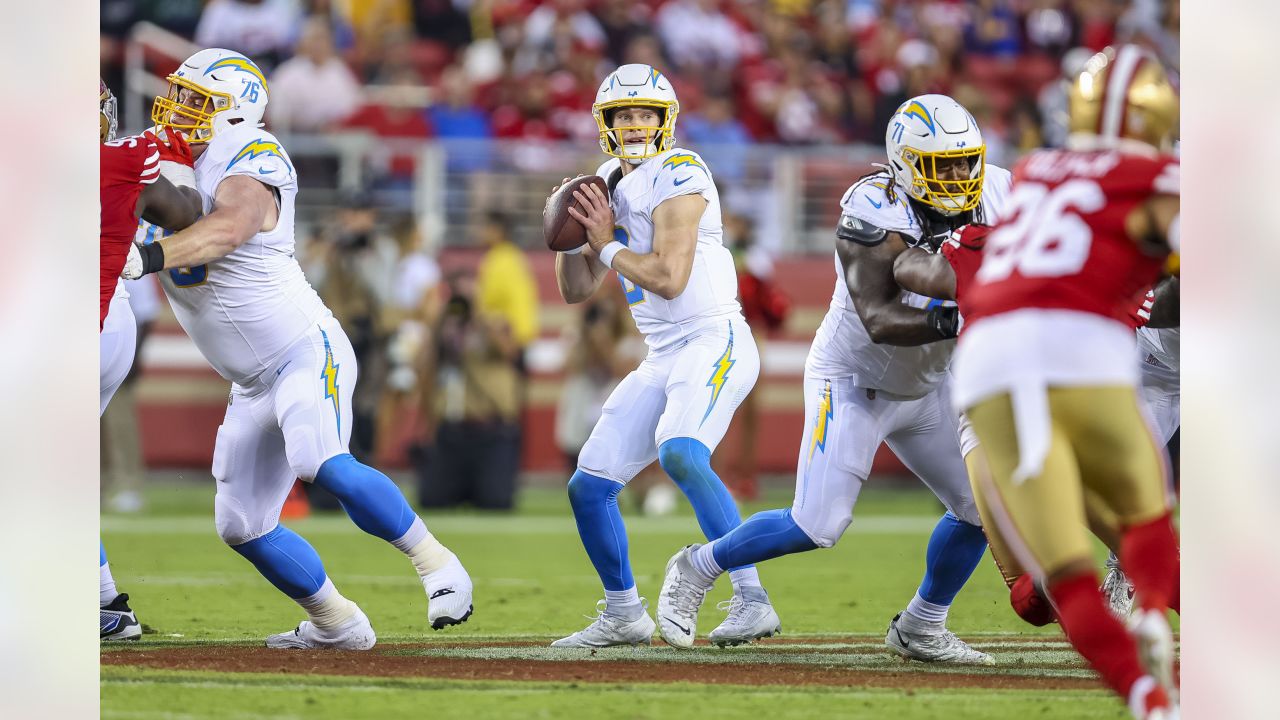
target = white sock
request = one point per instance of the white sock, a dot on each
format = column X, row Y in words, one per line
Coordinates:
column 424, row 550
column 929, row 613
column 106, row 585
column 704, row 561
column 744, row 578
column 327, row 609
column 623, row 602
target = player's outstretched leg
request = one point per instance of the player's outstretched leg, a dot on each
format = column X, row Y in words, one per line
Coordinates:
column 116, row 620
column 919, row 632
column 693, row 570
column 624, row 620
column 751, row 616
column 378, row 507
column 289, row 562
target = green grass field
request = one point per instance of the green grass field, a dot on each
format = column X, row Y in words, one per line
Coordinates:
column 534, row 584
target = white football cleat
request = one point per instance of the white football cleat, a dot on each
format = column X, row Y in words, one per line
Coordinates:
column 1150, row 628
column 751, row 617
column 116, row 620
column 943, row 646
column 682, row 595
column 1149, row 701
column 1117, row 589
column 354, row 634
column 610, row 630
column 448, row 595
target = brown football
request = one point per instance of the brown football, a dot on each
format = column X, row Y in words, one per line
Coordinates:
column 560, row 231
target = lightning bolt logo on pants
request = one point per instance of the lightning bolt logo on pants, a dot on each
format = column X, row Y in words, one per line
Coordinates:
column 825, row 413
column 330, row 377
column 719, row 374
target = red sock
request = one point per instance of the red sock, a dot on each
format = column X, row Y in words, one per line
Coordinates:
column 1149, row 556
column 1095, row 632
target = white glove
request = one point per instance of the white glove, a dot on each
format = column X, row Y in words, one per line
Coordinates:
column 133, row 264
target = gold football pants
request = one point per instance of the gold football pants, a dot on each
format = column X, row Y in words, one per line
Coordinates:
column 1103, row 470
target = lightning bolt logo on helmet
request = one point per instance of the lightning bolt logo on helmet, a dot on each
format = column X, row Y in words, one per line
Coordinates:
column 209, row 93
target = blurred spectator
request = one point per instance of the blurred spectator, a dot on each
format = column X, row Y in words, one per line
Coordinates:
column 123, row 471
column 1050, row 28
column 445, row 21
column 456, row 116
column 993, row 29
column 314, row 89
column 352, row 270
column 475, row 393
column 551, row 30
column 342, row 31
column 504, row 285
column 1052, row 99
column 622, row 21
column 395, row 115
column 718, row 135
column 261, row 29
column 697, row 36
column 407, row 319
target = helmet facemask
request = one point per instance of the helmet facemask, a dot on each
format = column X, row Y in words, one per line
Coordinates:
column 189, row 109
column 658, row 139
column 948, row 196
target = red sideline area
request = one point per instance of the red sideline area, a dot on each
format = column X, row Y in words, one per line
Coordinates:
column 180, row 408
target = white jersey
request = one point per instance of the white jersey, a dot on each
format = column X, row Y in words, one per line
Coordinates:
column 842, row 347
column 1159, row 350
column 712, row 293
column 246, row 309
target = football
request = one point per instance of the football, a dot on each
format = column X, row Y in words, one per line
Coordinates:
column 560, row 231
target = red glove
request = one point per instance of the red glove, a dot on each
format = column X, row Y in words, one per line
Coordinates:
column 175, row 149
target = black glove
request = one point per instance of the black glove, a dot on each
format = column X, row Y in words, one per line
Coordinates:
column 945, row 320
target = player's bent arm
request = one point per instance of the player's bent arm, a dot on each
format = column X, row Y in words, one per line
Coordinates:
column 242, row 207
column 579, row 275
column 925, row 273
column 1166, row 310
column 665, row 271
column 172, row 207
column 868, row 273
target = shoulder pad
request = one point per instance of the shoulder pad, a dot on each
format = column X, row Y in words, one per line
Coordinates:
column 876, row 201
column 858, row 231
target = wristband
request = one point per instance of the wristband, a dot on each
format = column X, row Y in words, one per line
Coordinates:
column 609, row 251
column 152, row 258
column 575, row 251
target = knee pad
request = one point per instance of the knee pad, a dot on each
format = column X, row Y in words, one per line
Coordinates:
column 586, row 489
column 235, row 527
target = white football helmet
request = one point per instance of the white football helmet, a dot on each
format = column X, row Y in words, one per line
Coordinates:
column 636, row 85
column 211, row 91
column 932, row 130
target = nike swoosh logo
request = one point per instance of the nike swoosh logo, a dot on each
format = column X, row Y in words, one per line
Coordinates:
column 282, row 367
column 265, row 171
column 905, row 642
column 683, row 629
column 441, row 593
column 873, row 202
column 678, row 183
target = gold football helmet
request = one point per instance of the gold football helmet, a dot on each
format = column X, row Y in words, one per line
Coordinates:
column 1124, row 93
column 106, row 112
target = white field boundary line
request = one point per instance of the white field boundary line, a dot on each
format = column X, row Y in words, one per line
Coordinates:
column 537, row 525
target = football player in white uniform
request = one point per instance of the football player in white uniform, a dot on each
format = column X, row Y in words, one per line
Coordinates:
column 877, row 372
column 660, row 231
column 239, row 293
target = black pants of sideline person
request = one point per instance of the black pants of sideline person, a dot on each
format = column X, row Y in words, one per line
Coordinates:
column 471, row 463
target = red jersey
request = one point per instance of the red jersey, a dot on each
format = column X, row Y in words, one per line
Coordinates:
column 127, row 165
column 1063, row 245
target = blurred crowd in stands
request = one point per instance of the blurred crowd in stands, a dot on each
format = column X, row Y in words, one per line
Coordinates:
column 779, row 71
